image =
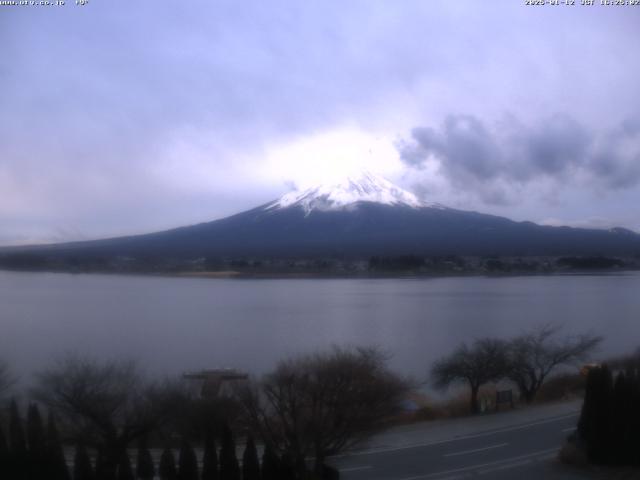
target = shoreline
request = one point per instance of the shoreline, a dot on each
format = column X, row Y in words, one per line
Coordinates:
column 310, row 275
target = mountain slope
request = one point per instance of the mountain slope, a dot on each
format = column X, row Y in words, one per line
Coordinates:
column 356, row 218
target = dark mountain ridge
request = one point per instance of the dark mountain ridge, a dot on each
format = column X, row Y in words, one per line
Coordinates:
column 356, row 219
column 363, row 230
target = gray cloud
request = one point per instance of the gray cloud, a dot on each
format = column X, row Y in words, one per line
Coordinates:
column 464, row 144
column 616, row 159
column 482, row 158
column 553, row 147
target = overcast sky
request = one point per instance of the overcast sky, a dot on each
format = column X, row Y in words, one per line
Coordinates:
column 123, row 117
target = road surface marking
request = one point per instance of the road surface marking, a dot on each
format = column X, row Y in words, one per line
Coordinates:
column 355, row 469
column 570, row 429
column 464, row 452
column 455, row 439
column 513, row 460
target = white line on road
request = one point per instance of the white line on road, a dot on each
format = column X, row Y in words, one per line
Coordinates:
column 464, row 452
column 355, row 469
column 570, row 429
column 374, row 451
column 515, row 461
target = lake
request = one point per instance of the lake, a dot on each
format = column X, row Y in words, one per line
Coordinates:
column 176, row 324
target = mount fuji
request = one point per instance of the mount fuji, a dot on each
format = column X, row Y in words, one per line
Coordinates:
column 358, row 217
column 347, row 193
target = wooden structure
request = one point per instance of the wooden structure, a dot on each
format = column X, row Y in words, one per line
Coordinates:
column 210, row 383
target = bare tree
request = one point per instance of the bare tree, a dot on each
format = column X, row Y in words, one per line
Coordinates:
column 482, row 362
column 534, row 355
column 319, row 405
column 106, row 405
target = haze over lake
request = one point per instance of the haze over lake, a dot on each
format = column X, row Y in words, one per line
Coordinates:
column 176, row 324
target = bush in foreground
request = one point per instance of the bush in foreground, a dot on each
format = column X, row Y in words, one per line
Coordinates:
column 609, row 425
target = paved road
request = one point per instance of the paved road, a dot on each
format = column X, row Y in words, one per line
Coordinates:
column 511, row 449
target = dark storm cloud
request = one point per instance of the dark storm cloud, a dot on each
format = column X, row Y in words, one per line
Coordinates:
column 616, row 159
column 464, row 145
column 476, row 156
column 557, row 144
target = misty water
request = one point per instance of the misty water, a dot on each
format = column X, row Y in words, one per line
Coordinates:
column 171, row 325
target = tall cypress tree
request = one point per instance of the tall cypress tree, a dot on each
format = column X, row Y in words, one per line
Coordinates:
column 287, row 468
column 37, row 445
column 250, row 463
column 187, row 462
column 55, row 453
column 17, row 441
column 125, row 472
column 82, row 468
column 35, row 430
column 210, row 458
column 270, row 464
column 167, row 468
column 603, row 439
column 145, row 470
column 17, row 444
column 635, row 420
column 5, row 463
column 631, row 433
column 585, row 422
column 103, row 471
column 621, row 442
column 330, row 473
column 594, row 426
column 229, row 468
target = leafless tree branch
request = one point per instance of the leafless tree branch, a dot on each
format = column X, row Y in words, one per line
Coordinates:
column 321, row 404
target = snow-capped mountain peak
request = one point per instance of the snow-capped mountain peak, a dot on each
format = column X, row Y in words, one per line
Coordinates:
column 365, row 187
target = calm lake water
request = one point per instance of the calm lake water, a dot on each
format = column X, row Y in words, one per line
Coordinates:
column 175, row 324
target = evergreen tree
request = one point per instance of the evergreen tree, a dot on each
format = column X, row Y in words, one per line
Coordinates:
column 4, row 457
column 17, row 444
column 187, row 462
column 270, row 464
column 82, row 468
column 621, row 442
column 102, row 471
column 229, row 468
column 35, row 431
column 287, row 468
column 631, row 431
column 17, row 441
column 145, row 470
column 250, row 463
column 55, row 453
column 603, row 439
column 36, row 441
column 330, row 473
column 635, row 420
column 594, row 426
column 167, row 468
column 210, row 458
column 125, row 472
